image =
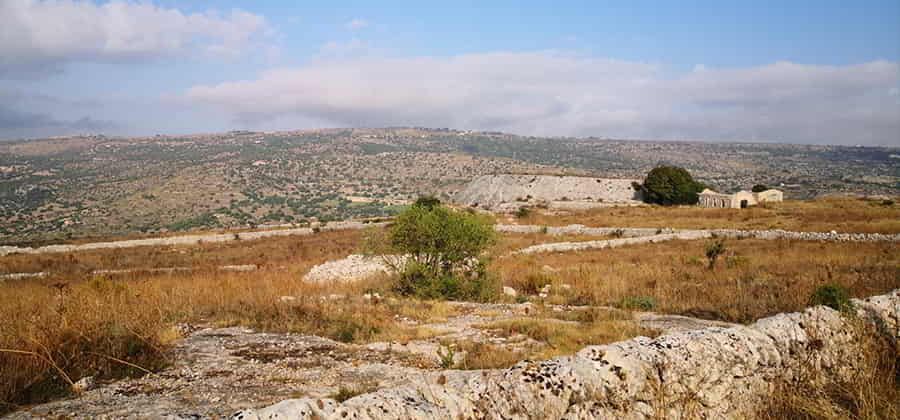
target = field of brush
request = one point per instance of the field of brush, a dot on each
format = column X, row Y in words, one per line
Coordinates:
column 71, row 323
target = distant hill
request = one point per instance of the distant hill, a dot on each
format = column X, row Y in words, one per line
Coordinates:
column 62, row 188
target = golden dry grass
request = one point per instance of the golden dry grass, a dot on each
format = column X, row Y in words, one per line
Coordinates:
column 268, row 252
column 822, row 215
column 572, row 333
column 870, row 391
column 755, row 278
column 57, row 330
column 69, row 325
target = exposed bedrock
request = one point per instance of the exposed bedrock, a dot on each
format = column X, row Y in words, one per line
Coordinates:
column 714, row 373
column 492, row 191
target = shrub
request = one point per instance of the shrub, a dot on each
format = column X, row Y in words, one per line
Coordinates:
column 833, row 296
column 444, row 248
column 644, row 303
column 759, row 188
column 428, row 202
column 670, row 185
column 446, row 357
column 523, row 212
column 713, row 250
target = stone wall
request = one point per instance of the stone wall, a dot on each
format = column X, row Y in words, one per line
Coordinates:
column 633, row 236
column 184, row 239
column 711, row 373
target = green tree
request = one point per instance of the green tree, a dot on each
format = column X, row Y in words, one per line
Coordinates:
column 444, row 249
column 759, row 188
column 670, row 185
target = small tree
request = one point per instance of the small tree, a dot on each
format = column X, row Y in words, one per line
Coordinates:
column 444, row 250
column 759, row 188
column 670, row 185
column 713, row 251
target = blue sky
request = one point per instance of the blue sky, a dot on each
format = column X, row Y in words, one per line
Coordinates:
column 789, row 71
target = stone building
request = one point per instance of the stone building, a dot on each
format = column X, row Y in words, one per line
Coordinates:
column 738, row 200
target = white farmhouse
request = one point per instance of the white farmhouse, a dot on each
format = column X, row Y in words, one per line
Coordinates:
column 738, row 200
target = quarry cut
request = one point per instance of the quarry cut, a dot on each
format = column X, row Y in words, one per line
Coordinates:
column 496, row 192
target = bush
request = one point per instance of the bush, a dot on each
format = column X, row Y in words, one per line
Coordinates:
column 713, row 250
column 444, row 248
column 643, row 303
column 670, row 185
column 523, row 212
column 759, row 188
column 833, row 296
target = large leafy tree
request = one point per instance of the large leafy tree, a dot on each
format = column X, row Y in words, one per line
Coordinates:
column 670, row 185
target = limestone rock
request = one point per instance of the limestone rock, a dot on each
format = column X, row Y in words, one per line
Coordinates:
column 716, row 372
column 84, row 384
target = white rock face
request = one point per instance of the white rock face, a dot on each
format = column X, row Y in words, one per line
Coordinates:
column 353, row 267
column 509, row 291
column 490, row 191
column 717, row 372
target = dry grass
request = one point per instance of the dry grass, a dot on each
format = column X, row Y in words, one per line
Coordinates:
column 55, row 332
column 487, row 356
column 823, row 215
column 870, row 390
column 567, row 336
column 755, row 278
column 269, row 252
column 58, row 329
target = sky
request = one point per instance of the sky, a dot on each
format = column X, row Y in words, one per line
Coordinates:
column 791, row 71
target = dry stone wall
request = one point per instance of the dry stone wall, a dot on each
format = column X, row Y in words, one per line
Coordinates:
column 716, row 372
column 632, row 236
column 184, row 239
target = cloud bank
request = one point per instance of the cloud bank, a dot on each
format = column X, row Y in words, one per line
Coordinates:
column 37, row 37
column 555, row 93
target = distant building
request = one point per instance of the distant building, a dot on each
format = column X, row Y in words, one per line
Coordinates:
column 738, row 200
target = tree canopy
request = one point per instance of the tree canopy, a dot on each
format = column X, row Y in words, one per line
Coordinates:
column 444, row 251
column 670, row 185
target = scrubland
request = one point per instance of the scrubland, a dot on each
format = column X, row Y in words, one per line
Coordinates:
column 72, row 324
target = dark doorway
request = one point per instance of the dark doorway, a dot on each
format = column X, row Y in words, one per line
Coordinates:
column 743, row 204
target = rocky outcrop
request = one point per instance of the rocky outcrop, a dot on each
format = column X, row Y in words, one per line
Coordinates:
column 353, row 267
column 491, row 191
column 716, row 372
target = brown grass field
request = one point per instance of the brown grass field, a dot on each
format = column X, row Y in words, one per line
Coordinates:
column 822, row 215
column 58, row 329
column 755, row 278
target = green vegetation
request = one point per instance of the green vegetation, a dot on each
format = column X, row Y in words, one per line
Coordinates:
column 642, row 303
column 670, row 185
column 445, row 248
column 834, row 296
column 759, row 188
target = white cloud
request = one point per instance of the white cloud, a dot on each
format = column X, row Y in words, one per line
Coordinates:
column 553, row 93
column 42, row 35
column 356, row 24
